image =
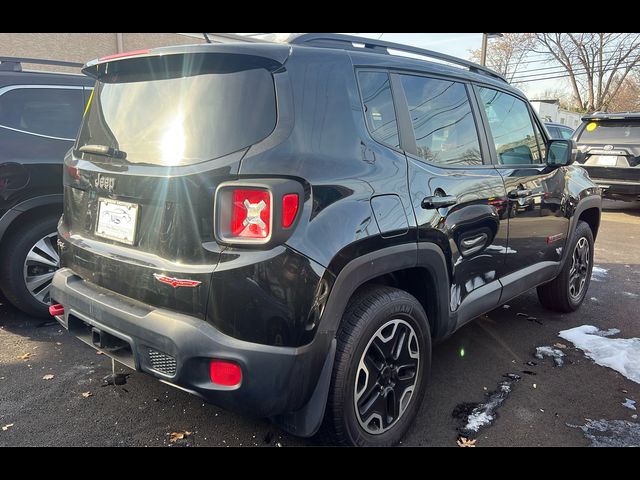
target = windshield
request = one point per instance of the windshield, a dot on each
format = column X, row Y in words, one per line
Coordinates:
column 611, row 132
column 180, row 120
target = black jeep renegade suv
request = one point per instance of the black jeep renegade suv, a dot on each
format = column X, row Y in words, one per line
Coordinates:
column 284, row 229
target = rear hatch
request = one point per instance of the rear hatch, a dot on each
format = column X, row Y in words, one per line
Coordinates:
column 161, row 131
column 610, row 148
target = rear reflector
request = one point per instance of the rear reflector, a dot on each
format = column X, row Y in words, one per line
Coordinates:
column 56, row 310
column 125, row 54
column 251, row 213
column 225, row 373
column 289, row 209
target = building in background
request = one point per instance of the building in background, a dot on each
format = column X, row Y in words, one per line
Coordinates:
column 550, row 111
column 82, row 47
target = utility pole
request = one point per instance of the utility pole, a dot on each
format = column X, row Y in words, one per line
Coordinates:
column 483, row 50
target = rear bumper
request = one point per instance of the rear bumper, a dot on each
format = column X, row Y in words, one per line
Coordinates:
column 615, row 188
column 177, row 349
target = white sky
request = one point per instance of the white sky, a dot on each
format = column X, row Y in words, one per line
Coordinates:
column 460, row 45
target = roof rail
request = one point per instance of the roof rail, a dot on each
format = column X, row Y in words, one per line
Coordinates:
column 329, row 40
column 14, row 63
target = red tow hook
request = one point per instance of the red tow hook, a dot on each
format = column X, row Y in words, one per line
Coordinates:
column 55, row 310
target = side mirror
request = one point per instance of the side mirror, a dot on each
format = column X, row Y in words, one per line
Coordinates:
column 561, row 152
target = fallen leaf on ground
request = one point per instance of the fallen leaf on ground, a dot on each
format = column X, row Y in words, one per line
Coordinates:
column 559, row 345
column 175, row 436
column 87, row 394
column 98, row 352
column 24, row 356
column 7, row 427
column 466, row 442
column 48, row 376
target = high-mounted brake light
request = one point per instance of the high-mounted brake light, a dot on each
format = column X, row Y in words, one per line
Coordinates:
column 251, row 213
column 227, row 374
column 289, row 209
column 125, row 54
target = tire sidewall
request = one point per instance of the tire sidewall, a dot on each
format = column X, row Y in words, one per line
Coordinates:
column 396, row 309
column 20, row 243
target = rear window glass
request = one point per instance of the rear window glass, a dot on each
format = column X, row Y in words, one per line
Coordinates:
column 181, row 120
column 380, row 114
column 610, row 131
column 54, row 112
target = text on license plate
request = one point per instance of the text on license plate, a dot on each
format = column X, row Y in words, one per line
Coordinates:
column 117, row 220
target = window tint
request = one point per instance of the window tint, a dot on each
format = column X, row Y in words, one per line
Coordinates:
column 611, row 131
column 375, row 88
column 55, row 112
column 511, row 127
column 442, row 121
column 565, row 133
column 553, row 131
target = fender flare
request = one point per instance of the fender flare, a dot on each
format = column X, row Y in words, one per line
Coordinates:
column 592, row 201
column 41, row 201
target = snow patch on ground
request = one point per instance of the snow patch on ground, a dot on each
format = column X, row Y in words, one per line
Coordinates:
column 607, row 333
column 620, row 354
column 629, row 403
column 477, row 416
column 500, row 249
column 554, row 353
column 632, row 295
column 611, row 433
column 598, row 273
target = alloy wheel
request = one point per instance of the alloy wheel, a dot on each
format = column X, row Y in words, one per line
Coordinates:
column 39, row 267
column 579, row 268
column 386, row 377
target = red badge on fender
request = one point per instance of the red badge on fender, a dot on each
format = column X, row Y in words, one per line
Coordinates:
column 176, row 282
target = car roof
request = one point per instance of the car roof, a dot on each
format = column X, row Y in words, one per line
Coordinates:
column 37, row 77
column 281, row 51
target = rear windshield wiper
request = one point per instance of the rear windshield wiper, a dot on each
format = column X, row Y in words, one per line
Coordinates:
column 103, row 150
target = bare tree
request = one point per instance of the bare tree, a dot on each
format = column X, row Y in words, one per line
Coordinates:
column 597, row 64
column 628, row 97
column 505, row 54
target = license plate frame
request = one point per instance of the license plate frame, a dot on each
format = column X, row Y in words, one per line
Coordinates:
column 117, row 220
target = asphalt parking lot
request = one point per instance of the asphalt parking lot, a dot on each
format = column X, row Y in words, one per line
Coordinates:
column 546, row 406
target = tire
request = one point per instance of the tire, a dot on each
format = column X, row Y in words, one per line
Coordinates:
column 12, row 268
column 558, row 294
column 373, row 314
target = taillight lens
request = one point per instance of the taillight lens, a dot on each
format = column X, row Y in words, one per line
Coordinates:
column 251, row 213
column 289, row 209
column 227, row 374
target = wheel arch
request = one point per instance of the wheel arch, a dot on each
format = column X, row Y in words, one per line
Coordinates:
column 30, row 209
column 419, row 269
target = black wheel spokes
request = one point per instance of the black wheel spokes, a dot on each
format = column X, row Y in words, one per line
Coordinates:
column 386, row 376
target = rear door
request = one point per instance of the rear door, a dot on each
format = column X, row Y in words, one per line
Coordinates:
column 457, row 194
column 159, row 135
column 538, row 222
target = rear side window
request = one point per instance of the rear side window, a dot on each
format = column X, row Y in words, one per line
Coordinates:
column 611, row 131
column 442, row 121
column 510, row 123
column 54, row 112
column 380, row 114
column 565, row 133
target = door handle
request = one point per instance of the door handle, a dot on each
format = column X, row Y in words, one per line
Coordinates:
column 469, row 246
column 519, row 193
column 437, row 201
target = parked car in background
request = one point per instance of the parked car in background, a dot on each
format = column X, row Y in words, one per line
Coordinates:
column 558, row 130
column 283, row 229
column 40, row 113
column 609, row 149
